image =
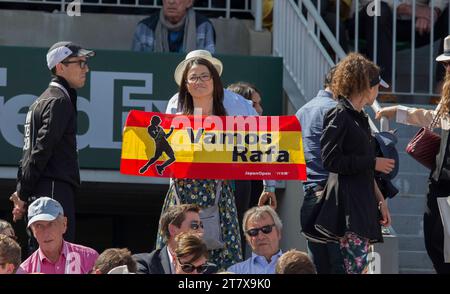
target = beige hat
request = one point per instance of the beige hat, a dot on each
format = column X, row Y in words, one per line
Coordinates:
column 446, row 55
column 196, row 54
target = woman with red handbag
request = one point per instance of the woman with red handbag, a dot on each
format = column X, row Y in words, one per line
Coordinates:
column 439, row 180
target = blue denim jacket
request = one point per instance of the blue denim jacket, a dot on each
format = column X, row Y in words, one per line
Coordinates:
column 311, row 117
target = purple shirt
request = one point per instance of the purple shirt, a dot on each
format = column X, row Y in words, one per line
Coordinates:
column 74, row 259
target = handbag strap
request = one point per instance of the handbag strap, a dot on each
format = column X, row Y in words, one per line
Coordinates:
column 436, row 117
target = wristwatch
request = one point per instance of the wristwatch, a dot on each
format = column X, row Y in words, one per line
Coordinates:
column 269, row 189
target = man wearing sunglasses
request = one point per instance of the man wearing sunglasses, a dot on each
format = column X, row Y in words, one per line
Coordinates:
column 176, row 220
column 262, row 227
column 49, row 164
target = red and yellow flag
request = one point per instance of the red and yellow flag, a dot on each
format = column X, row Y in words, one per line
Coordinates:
column 212, row 147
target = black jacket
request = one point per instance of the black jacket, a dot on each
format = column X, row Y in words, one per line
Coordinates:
column 156, row 262
column 50, row 147
column 348, row 201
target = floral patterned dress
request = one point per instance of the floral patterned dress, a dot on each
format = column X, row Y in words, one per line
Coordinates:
column 203, row 193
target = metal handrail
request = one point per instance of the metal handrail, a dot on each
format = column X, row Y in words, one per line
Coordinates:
column 309, row 55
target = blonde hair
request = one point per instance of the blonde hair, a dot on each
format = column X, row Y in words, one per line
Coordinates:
column 445, row 97
column 353, row 75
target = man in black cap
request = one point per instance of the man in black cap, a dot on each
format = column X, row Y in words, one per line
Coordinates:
column 49, row 164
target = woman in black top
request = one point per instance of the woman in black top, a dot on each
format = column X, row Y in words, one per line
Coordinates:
column 350, row 211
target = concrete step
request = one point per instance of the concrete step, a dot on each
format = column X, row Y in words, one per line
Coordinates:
column 415, row 260
column 411, row 243
column 410, row 182
column 408, row 224
column 410, row 165
column 406, row 205
column 417, row 271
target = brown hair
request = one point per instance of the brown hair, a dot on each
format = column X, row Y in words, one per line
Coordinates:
column 445, row 97
column 185, row 100
column 10, row 251
column 353, row 75
column 295, row 262
column 244, row 89
column 190, row 244
column 114, row 257
column 175, row 215
column 329, row 77
column 6, row 228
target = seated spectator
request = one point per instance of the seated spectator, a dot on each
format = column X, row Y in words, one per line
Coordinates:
column 422, row 24
column 10, row 255
column 295, row 262
column 7, row 229
column 177, row 219
column 112, row 258
column 175, row 28
column 249, row 92
column 54, row 255
column 262, row 227
column 191, row 254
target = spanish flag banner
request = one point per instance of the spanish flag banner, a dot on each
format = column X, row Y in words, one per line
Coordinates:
column 212, row 147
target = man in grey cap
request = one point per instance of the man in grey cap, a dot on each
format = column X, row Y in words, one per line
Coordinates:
column 49, row 164
column 54, row 255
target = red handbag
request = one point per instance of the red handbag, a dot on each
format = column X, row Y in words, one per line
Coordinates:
column 424, row 146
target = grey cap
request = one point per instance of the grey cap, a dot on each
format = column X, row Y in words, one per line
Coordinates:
column 44, row 209
column 61, row 50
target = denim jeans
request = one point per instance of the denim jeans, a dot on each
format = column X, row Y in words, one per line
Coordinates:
column 326, row 257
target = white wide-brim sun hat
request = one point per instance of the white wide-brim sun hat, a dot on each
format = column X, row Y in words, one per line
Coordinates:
column 178, row 75
column 446, row 55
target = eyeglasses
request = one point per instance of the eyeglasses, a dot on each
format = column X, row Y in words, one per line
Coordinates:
column 81, row 63
column 265, row 229
column 195, row 225
column 189, row 267
column 203, row 78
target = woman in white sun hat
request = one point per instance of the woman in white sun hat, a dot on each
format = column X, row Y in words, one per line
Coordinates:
column 198, row 76
column 439, row 179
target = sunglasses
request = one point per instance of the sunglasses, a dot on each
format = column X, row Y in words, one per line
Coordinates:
column 265, row 229
column 81, row 63
column 195, row 225
column 189, row 267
